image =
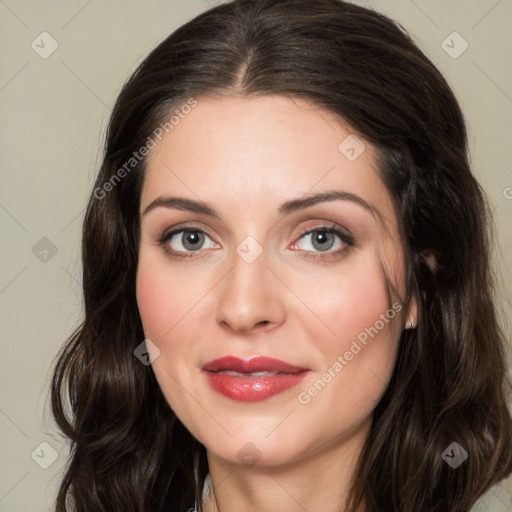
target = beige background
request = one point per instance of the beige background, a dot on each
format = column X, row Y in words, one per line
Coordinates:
column 54, row 112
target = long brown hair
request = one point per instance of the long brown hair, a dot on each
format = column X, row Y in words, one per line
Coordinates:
column 129, row 450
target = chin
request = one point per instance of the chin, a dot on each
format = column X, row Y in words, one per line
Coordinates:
column 254, row 453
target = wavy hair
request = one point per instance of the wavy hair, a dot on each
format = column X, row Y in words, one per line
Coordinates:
column 129, row 451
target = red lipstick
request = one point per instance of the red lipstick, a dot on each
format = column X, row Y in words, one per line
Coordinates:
column 252, row 380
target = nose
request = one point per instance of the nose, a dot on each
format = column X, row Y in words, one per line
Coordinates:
column 249, row 297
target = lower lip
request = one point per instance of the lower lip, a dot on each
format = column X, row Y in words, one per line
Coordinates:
column 253, row 389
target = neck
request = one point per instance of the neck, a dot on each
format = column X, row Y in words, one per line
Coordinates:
column 318, row 481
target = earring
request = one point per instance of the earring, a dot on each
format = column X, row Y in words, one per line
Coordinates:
column 410, row 325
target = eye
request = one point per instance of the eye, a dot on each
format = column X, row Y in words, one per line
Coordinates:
column 185, row 240
column 324, row 239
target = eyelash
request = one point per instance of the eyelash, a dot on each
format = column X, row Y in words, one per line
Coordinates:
column 347, row 240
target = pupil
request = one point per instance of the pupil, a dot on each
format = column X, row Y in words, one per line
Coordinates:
column 323, row 240
column 192, row 240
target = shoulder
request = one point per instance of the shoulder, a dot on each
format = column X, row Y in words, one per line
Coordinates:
column 496, row 499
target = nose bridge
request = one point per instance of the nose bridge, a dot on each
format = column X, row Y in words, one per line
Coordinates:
column 248, row 296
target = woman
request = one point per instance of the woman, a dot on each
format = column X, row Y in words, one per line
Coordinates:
column 288, row 299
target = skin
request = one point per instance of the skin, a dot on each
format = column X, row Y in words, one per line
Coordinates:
column 245, row 157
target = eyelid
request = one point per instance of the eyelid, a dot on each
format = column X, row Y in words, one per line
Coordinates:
column 179, row 228
column 331, row 227
column 183, row 227
column 328, row 226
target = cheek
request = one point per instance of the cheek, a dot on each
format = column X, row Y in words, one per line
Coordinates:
column 165, row 310
column 358, row 355
column 153, row 300
column 174, row 311
column 351, row 301
column 164, row 297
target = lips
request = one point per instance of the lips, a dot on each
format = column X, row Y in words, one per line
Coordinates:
column 252, row 380
column 256, row 364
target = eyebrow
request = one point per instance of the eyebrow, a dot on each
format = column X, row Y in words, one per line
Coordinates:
column 181, row 203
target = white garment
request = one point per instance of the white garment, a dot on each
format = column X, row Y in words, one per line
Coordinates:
column 207, row 490
column 496, row 499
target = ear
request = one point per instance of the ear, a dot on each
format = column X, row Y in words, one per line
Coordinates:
column 430, row 260
column 411, row 318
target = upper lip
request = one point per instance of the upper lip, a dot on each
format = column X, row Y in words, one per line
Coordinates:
column 254, row 364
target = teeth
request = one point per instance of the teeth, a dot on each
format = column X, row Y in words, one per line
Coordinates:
column 252, row 374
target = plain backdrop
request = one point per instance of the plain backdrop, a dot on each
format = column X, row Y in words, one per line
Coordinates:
column 54, row 110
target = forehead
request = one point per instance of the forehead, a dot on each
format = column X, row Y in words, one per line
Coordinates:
column 253, row 153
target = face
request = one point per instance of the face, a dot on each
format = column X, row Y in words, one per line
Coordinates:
column 266, row 232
